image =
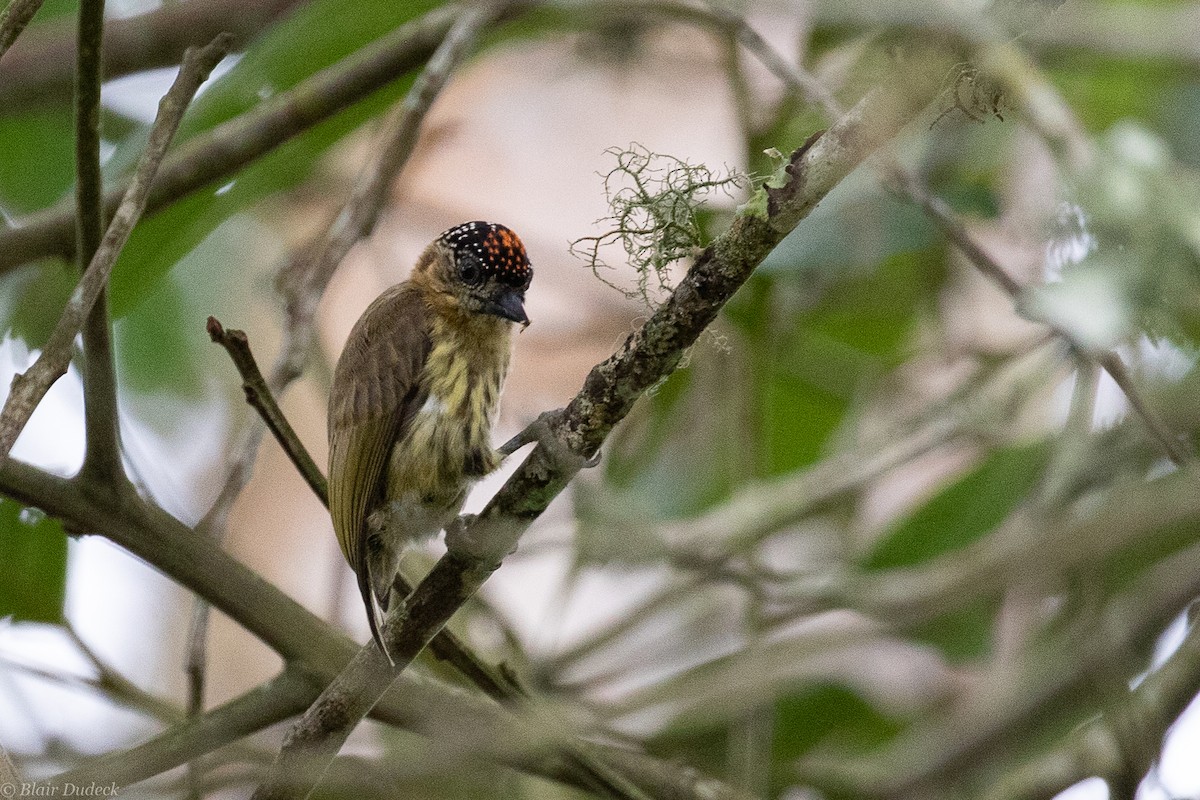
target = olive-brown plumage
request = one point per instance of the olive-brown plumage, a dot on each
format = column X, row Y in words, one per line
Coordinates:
column 413, row 398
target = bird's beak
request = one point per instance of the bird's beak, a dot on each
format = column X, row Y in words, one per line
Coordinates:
column 510, row 304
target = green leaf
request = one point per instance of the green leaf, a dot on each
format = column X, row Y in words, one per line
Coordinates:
column 822, row 714
column 37, row 161
column 156, row 344
column 961, row 634
column 1102, row 90
column 34, row 574
column 812, row 364
column 965, row 511
column 33, row 297
column 828, row 714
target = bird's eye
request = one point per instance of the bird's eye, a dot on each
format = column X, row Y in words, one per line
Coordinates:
column 470, row 271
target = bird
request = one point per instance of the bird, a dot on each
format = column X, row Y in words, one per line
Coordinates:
column 414, row 396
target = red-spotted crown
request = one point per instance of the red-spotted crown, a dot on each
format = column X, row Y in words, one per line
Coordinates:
column 497, row 251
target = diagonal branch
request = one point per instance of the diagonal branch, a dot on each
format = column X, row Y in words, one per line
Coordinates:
column 30, row 387
column 263, row 706
column 1110, row 360
column 261, row 399
column 13, row 19
column 1054, row 120
column 1096, row 748
column 608, row 394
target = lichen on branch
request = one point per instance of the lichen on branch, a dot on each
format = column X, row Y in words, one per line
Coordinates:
column 655, row 201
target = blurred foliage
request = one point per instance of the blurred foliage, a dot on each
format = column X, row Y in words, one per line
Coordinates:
column 811, row 333
column 35, row 564
column 963, row 512
column 815, row 358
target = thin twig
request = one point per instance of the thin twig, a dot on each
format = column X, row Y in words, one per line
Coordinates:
column 1111, row 361
column 13, row 19
column 102, row 455
column 30, row 387
column 111, row 682
column 809, row 87
column 262, row 706
column 10, row 777
column 38, row 70
column 259, row 396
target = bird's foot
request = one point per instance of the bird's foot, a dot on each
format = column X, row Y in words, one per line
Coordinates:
column 459, row 524
column 541, row 430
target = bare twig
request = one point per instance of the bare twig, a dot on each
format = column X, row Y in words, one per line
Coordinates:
column 111, row 682
column 102, row 456
column 809, row 87
column 29, row 388
column 13, row 19
column 38, row 70
column 259, row 708
column 1111, row 361
column 1096, row 747
column 259, row 396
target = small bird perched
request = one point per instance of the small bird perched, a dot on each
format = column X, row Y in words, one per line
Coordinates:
column 413, row 399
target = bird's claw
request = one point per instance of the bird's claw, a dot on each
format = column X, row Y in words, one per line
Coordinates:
column 460, row 524
column 541, row 431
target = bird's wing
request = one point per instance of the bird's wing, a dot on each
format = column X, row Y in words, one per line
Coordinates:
column 374, row 396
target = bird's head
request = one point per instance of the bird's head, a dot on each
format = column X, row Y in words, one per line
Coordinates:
column 479, row 268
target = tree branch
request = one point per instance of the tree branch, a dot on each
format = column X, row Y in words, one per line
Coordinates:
column 38, row 70
column 102, row 455
column 1110, row 360
column 13, row 19
column 260, row 398
column 261, row 707
column 1097, row 748
column 30, row 387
